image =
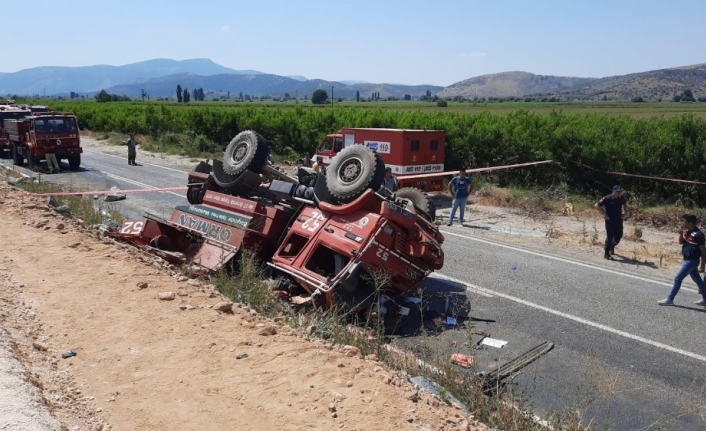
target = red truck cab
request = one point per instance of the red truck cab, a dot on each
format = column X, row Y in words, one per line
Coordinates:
column 405, row 151
column 31, row 136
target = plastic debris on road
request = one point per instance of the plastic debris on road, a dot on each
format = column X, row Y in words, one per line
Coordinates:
column 492, row 342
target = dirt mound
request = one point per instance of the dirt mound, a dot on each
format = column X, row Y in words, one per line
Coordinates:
column 153, row 352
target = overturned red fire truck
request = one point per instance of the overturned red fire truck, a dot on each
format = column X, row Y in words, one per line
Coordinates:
column 334, row 235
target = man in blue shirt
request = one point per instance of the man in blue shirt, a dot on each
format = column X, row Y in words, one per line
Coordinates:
column 459, row 187
column 611, row 207
column 693, row 249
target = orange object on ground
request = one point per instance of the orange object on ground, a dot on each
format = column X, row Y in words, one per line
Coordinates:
column 465, row 361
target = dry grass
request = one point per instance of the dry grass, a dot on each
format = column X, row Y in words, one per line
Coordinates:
column 505, row 411
column 550, row 201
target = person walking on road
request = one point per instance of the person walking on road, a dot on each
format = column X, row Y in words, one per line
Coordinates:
column 459, row 188
column 611, row 207
column 692, row 242
column 131, row 149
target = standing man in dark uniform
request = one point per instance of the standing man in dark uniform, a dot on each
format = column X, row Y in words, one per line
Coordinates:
column 611, row 207
column 131, row 149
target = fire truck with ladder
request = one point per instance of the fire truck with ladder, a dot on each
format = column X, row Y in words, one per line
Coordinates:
column 333, row 235
column 30, row 136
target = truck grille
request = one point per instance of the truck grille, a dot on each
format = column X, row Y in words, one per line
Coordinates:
column 400, row 242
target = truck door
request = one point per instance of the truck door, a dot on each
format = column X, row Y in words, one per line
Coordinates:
column 348, row 140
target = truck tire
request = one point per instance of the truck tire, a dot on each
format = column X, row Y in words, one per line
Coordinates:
column 353, row 171
column 248, row 150
column 74, row 162
column 17, row 158
column 420, row 200
column 194, row 194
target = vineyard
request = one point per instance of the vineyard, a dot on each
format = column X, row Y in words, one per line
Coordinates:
column 585, row 146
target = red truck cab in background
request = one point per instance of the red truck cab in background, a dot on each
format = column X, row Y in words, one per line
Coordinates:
column 30, row 136
column 405, row 151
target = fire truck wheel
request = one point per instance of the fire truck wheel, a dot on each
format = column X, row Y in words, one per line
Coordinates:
column 74, row 162
column 17, row 159
column 248, row 150
column 353, row 171
column 419, row 199
column 195, row 195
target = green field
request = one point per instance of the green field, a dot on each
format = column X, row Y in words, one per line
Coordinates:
column 587, row 140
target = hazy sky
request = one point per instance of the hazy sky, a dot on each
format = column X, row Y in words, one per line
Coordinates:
column 398, row 41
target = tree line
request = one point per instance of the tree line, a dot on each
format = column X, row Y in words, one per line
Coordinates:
column 183, row 95
column 585, row 147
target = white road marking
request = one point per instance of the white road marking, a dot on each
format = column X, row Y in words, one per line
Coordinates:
column 137, row 183
column 144, row 163
column 573, row 262
column 596, row 325
column 469, row 287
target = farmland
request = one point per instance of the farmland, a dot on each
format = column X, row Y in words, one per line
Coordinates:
column 587, row 140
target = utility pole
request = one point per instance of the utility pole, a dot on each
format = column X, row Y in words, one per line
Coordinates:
column 332, row 95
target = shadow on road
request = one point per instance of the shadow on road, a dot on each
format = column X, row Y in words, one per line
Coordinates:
column 686, row 307
column 622, row 259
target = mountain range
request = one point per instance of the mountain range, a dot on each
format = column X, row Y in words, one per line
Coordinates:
column 62, row 80
column 160, row 77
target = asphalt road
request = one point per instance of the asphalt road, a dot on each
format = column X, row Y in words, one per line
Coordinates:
column 101, row 171
column 619, row 358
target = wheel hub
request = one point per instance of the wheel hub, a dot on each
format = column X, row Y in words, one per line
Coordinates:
column 350, row 171
column 240, row 152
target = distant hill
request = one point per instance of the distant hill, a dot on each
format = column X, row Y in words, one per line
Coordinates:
column 262, row 85
column 58, row 80
column 159, row 78
column 651, row 85
column 510, row 84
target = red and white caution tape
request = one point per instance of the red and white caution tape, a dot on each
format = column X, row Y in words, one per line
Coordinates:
column 488, row 169
column 104, row 192
column 675, row 180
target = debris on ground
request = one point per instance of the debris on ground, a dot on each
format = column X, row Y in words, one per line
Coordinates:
column 465, row 361
column 114, row 196
column 492, row 342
